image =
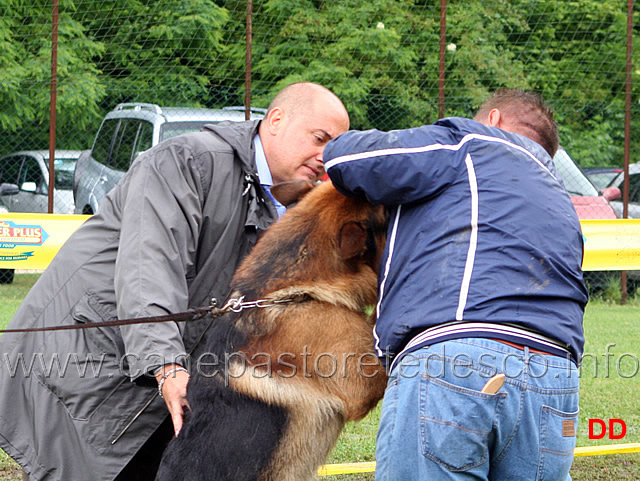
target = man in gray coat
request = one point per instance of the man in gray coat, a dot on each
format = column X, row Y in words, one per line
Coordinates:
column 83, row 404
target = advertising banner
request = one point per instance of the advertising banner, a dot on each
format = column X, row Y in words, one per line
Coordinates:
column 30, row 241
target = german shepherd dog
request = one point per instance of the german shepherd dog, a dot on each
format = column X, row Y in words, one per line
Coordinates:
column 289, row 375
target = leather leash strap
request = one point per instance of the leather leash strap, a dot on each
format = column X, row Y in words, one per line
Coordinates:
column 190, row 315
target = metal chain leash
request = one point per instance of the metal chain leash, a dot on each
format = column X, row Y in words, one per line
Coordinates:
column 195, row 314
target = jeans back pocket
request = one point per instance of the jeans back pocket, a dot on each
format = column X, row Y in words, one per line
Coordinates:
column 557, row 442
column 456, row 423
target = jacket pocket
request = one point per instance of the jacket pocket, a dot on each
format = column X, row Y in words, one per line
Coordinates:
column 83, row 366
column 455, row 423
column 99, row 339
column 557, row 442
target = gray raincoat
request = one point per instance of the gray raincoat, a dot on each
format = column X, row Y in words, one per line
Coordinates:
column 77, row 405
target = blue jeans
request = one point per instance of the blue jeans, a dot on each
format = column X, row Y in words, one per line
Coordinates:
column 437, row 425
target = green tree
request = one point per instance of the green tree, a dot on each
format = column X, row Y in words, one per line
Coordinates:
column 158, row 52
column 358, row 49
column 25, row 74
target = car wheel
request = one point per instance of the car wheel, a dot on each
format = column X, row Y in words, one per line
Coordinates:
column 6, row 276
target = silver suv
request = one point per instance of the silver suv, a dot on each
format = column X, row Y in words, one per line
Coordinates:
column 132, row 128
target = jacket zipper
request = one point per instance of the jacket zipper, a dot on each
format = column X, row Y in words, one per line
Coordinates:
column 138, row 414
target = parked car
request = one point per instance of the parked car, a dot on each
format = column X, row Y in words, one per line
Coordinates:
column 589, row 203
column 24, row 186
column 602, row 177
column 127, row 131
column 25, row 176
column 634, row 192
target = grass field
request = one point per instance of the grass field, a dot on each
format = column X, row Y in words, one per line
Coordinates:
column 609, row 390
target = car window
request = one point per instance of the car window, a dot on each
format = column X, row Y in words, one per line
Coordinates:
column 602, row 179
column 171, row 129
column 123, row 145
column 102, row 145
column 574, row 180
column 634, row 188
column 10, row 168
column 31, row 177
column 145, row 138
column 63, row 171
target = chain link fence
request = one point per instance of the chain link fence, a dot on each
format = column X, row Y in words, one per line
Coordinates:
column 158, row 68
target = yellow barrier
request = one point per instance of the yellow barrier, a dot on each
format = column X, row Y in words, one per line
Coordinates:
column 607, row 449
column 611, row 244
column 29, row 241
column 370, row 467
column 346, row 468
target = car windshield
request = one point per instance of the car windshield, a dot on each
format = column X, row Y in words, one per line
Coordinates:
column 171, row 129
column 63, row 169
column 574, row 180
column 603, row 179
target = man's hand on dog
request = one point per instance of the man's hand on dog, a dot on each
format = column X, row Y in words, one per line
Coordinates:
column 174, row 392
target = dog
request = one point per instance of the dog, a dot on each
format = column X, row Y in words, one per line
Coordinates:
column 284, row 378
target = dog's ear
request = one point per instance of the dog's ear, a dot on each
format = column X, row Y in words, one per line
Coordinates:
column 352, row 240
column 290, row 192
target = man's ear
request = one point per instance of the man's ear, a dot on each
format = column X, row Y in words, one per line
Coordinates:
column 494, row 118
column 273, row 120
column 290, row 192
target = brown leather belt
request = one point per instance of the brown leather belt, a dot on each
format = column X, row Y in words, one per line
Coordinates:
column 521, row 347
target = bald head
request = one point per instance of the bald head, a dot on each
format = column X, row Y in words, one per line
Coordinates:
column 305, row 96
column 300, row 121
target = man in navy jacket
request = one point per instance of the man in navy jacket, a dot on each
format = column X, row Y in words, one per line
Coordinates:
column 481, row 277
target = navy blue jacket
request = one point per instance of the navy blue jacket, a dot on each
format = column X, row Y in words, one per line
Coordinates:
column 483, row 239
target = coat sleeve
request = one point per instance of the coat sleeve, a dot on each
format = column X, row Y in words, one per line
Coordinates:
column 161, row 217
column 395, row 167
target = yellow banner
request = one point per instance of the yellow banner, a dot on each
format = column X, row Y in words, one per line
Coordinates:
column 30, row 241
column 611, row 245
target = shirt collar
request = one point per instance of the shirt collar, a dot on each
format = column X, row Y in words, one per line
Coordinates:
column 264, row 174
